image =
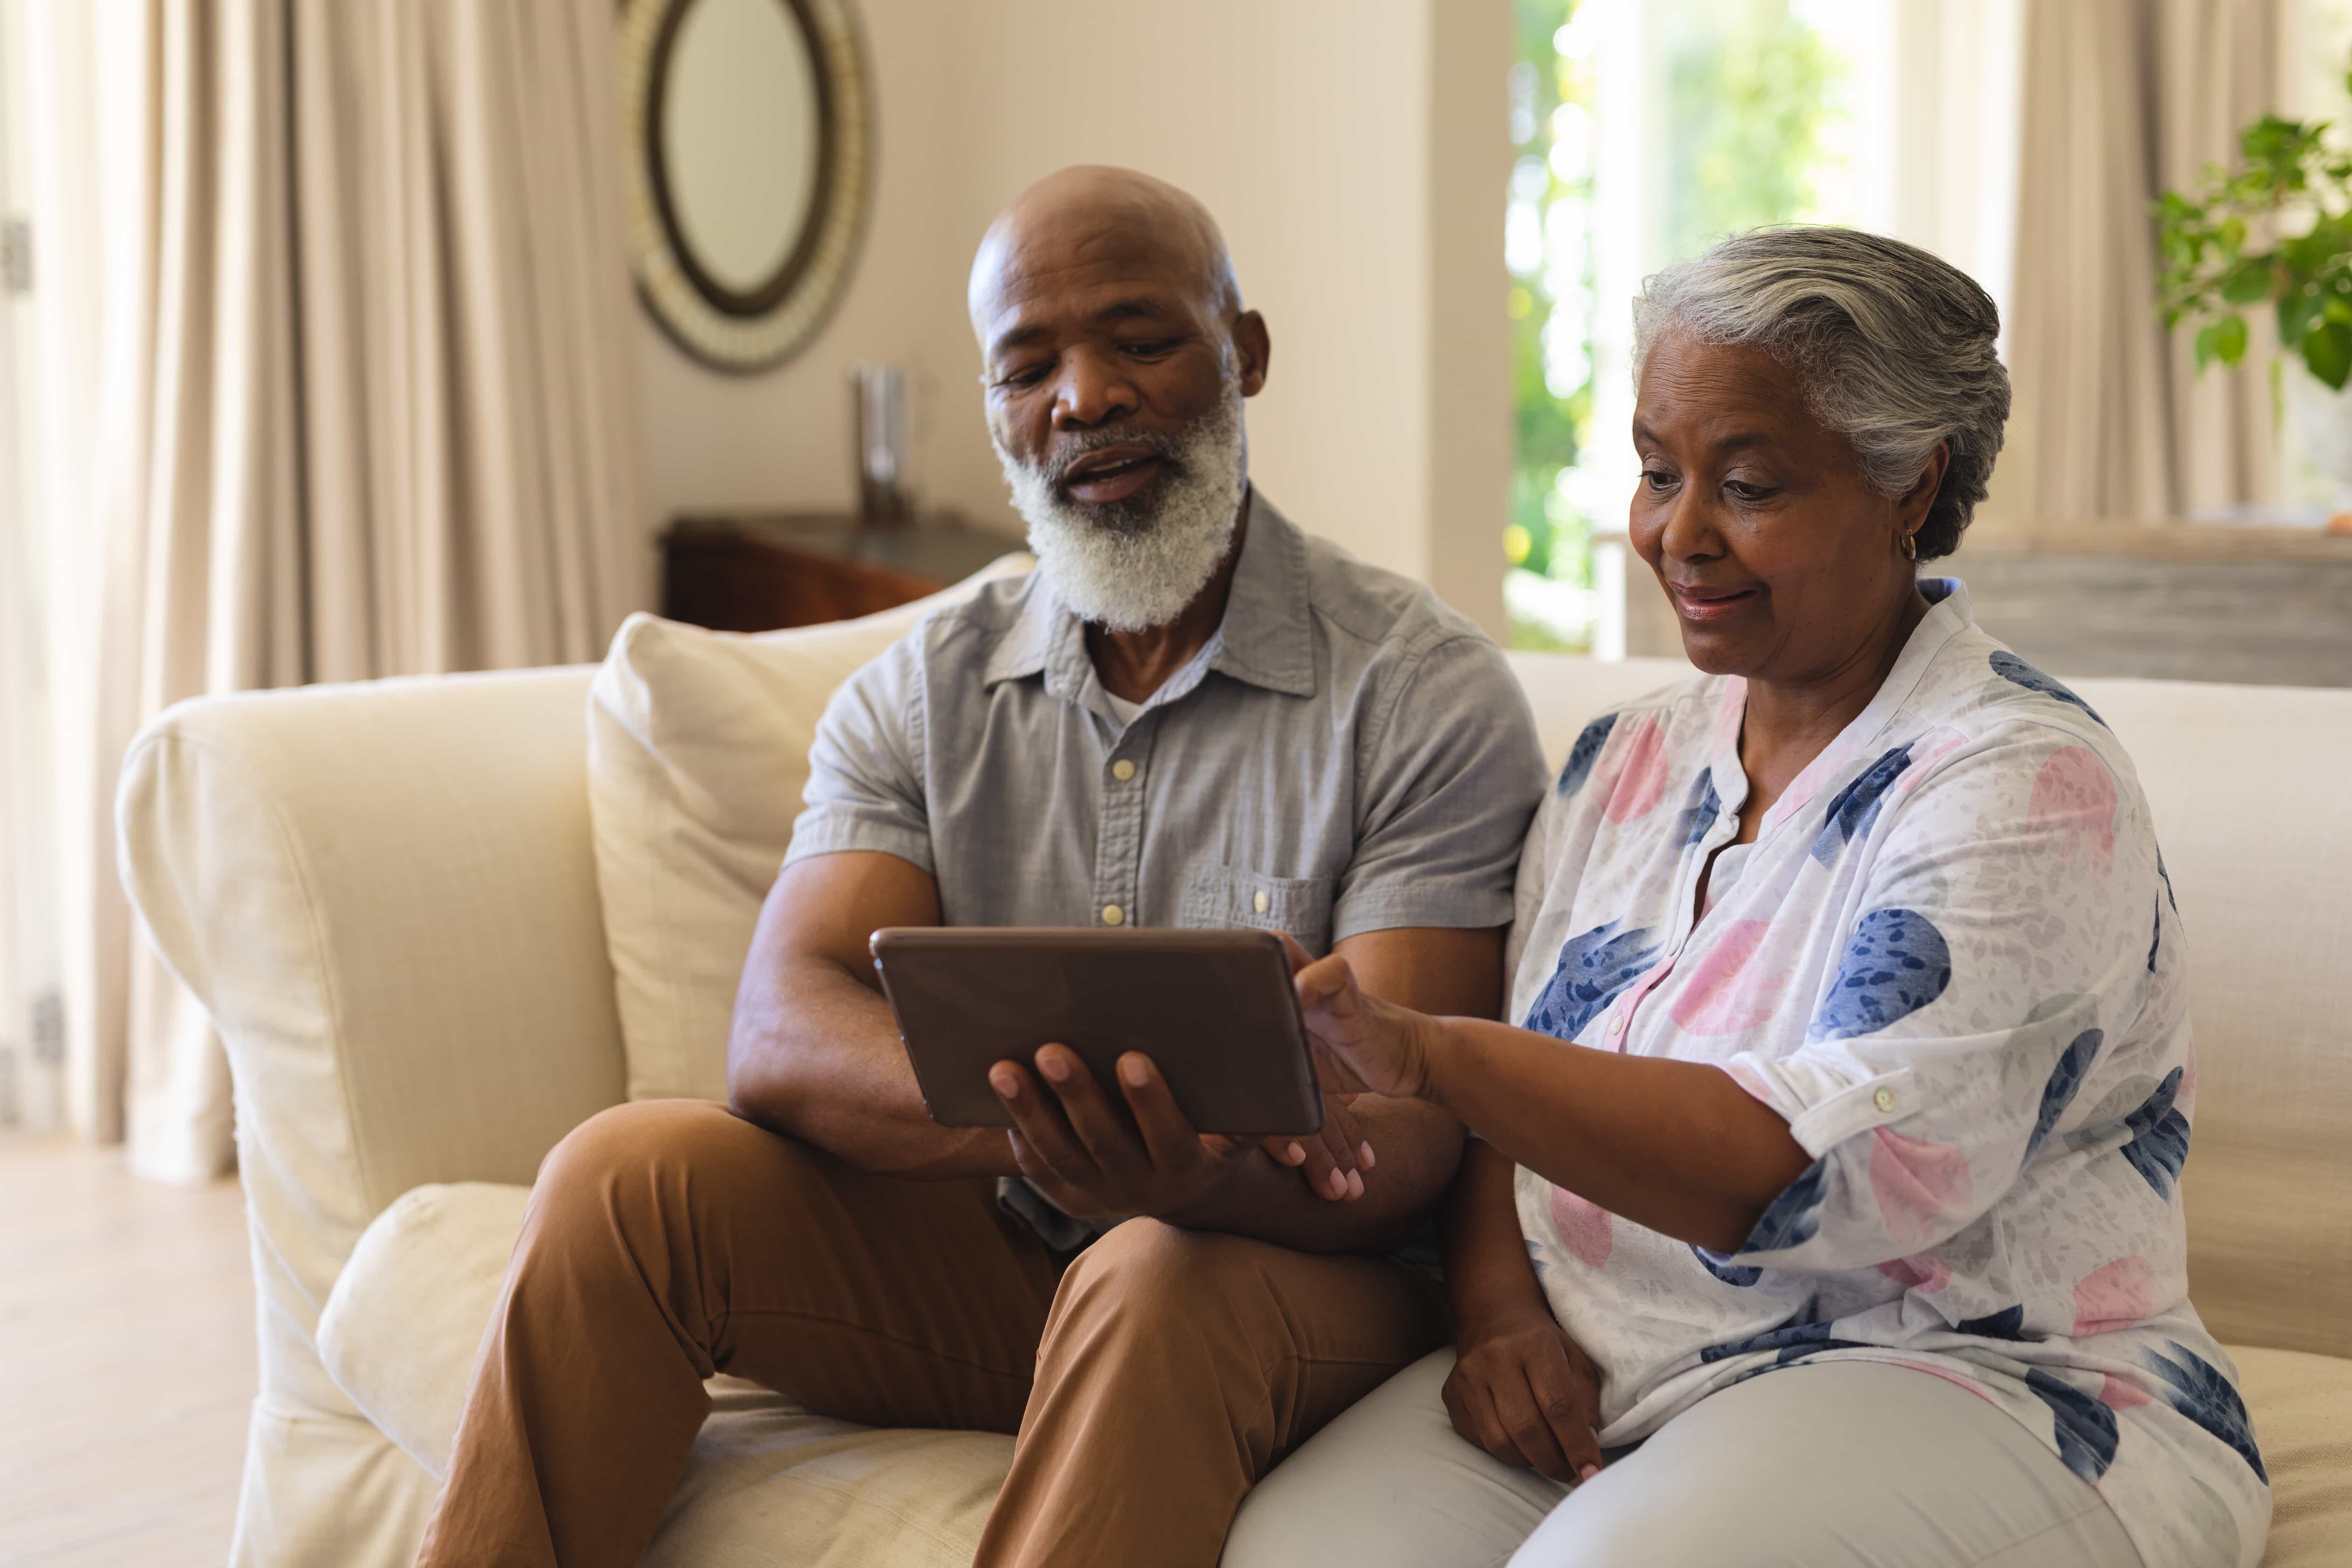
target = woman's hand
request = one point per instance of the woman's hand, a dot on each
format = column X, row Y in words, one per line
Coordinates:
column 1526, row 1392
column 1521, row 1389
column 1332, row 1162
column 1361, row 1044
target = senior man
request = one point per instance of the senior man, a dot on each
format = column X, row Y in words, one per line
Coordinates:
column 1192, row 714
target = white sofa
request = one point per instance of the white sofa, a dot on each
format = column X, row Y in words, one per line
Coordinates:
column 385, row 894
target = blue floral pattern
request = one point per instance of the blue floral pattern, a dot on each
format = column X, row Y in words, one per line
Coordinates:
column 1584, row 753
column 1592, row 970
column 1896, row 963
column 2160, row 1140
column 1723, row 1268
column 1704, row 808
column 1791, row 1341
column 2008, row 1323
column 1792, row 1218
column 2086, row 1432
column 2017, row 672
column 2196, row 1388
column 2073, row 1063
column 1936, row 966
column 1855, row 807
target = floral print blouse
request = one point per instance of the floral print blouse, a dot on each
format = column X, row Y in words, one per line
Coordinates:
column 1951, row 960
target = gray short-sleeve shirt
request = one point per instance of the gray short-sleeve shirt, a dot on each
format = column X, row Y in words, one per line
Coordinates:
column 1346, row 754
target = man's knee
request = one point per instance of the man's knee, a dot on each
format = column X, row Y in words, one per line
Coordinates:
column 1146, row 1272
column 625, row 1139
column 634, row 1162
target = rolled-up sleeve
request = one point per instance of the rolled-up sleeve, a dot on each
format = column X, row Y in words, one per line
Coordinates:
column 2002, row 935
column 866, row 788
column 1450, row 779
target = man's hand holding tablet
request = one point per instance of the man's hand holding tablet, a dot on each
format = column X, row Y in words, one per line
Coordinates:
column 1212, row 1011
column 1092, row 1161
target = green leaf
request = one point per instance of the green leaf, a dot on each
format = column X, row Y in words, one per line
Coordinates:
column 2249, row 282
column 2307, row 254
column 2328, row 351
column 2206, row 337
column 2230, row 339
column 2296, row 308
column 2233, row 234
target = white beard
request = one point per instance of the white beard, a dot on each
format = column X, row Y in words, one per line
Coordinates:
column 1136, row 564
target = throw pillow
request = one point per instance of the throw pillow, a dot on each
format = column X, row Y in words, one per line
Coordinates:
column 698, row 750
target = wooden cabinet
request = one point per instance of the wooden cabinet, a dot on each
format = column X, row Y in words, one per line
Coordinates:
column 757, row 571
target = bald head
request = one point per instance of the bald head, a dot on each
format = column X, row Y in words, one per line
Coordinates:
column 1091, row 220
column 1113, row 342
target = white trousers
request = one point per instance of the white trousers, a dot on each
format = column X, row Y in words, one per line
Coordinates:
column 1835, row 1465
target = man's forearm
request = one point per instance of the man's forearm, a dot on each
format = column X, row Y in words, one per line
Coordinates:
column 1416, row 1147
column 816, row 1056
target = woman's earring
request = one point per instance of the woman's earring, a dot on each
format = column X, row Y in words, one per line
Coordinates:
column 1910, row 547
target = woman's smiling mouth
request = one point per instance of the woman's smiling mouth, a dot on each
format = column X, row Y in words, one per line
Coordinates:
column 1696, row 604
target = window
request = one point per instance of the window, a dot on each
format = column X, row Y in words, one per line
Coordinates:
column 1645, row 130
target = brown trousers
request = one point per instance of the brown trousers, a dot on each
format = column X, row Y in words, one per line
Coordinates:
column 1150, row 1382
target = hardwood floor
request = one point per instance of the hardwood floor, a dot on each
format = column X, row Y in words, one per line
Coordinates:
column 126, row 1362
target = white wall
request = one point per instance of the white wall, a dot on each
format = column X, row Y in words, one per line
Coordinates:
column 782, row 438
column 1354, row 151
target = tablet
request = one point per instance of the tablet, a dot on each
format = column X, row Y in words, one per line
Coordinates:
column 1214, row 1009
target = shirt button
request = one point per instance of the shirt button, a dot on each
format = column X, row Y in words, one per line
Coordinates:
column 1617, row 1024
column 1258, row 900
column 1122, row 769
column 1886, row 1098
column 1113, row 915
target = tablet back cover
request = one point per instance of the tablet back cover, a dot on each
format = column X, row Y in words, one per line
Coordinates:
column 1214, row 1009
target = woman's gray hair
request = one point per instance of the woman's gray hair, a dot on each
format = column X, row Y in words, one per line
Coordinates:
column 1894, row 347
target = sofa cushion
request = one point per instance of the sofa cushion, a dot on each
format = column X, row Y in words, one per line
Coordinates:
column 2301, row 1409
column 698, row 747
column 2246, row 784
column 398, row 1334
column 768, row 1481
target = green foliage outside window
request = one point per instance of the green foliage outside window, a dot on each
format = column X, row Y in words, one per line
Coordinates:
column 2277, row 231
column 1543, row 536
column 1748, row 88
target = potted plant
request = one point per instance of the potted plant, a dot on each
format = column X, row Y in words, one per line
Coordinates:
column 2276, row 231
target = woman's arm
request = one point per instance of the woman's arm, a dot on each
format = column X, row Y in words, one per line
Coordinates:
column 1676, row 1146
column 1521, row 1388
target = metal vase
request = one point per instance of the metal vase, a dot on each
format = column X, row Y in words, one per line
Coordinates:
column 883, row 433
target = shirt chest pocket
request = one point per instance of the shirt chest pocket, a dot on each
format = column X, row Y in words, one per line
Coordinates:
column 1229, row 896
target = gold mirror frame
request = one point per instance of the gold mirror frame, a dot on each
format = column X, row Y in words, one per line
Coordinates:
column 744, row 333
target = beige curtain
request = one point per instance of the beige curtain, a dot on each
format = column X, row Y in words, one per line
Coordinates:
column 374, row 414
column 28, row 1096
column 2123, row 99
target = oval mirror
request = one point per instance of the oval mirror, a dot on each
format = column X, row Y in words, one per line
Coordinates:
column 749, row 149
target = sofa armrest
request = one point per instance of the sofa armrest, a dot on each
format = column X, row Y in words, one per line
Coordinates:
column 386, row 896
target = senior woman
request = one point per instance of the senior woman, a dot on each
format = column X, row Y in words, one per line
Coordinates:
column 1834, row 1167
